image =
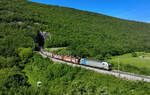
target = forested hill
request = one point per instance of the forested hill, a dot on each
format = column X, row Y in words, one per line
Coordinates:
column 84, row 33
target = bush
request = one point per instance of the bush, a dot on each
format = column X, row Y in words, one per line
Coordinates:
column 99, row 57
column 16, row 80
column 25, row 53
column 2, row 62
column 108, row 56
column 134, row 54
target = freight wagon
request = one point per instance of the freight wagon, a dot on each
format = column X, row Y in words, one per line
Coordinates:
column 77, row 60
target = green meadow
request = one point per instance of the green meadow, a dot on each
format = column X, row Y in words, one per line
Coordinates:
column 139, row 64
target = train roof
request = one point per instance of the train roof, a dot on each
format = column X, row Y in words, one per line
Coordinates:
column 95, row 61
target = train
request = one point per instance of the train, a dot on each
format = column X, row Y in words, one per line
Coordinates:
column 78, row 60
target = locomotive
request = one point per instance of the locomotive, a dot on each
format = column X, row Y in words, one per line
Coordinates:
column 78, row 60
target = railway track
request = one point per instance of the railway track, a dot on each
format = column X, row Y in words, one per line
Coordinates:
column 119, row 74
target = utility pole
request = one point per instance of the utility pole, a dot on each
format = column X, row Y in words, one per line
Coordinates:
column 118, row 66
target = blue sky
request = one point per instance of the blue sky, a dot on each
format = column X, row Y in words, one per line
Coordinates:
column 138, row 10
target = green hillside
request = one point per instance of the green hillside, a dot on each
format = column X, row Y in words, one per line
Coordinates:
column 85, row 33
column 82, row 33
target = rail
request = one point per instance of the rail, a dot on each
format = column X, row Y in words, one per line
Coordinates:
column 123, row 75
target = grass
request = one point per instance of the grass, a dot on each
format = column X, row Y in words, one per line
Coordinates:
column 139, row 64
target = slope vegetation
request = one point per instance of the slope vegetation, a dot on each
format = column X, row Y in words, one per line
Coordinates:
column 86, row 34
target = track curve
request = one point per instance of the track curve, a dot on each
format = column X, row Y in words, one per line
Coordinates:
column 119, row 74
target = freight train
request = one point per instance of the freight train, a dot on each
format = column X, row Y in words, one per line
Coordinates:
column 78, row 60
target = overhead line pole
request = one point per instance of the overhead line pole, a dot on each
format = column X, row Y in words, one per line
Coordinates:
column 118, row 66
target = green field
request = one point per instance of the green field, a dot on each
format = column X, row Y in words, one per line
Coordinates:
column 139, row 64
